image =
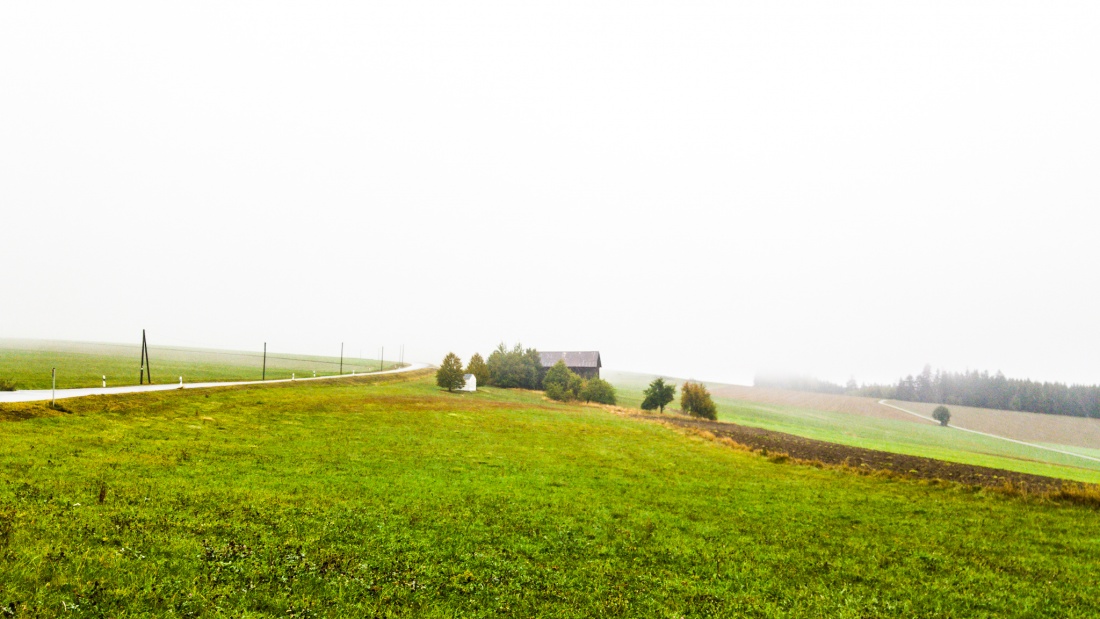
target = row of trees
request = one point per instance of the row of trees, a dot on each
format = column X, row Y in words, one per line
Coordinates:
column 970, row 388
column 521, row 368
column 695, row 399
column 505, row 368
column 983, row 390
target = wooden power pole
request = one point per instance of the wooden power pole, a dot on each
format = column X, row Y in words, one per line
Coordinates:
column 146, row 370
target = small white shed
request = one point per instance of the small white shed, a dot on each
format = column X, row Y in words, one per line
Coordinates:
column 471, row 383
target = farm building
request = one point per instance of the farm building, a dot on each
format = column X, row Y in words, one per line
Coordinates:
column 586, row 363
column 471, row 383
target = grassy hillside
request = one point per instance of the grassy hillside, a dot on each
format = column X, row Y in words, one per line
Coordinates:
column 898, row 435
column 80, row 364
column 388, row 497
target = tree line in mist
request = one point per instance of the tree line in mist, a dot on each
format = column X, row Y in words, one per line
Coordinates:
column 969, row 388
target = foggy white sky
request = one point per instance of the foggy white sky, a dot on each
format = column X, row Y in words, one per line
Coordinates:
column 695, row 189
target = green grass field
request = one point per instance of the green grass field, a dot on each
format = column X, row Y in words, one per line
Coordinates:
column 903, row 437
column 384, row 496
column 28, row 363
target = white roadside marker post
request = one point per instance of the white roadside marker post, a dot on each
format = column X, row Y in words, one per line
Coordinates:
column 181, row 382
column 53, row 390
column 104, row 381
column 292, row 376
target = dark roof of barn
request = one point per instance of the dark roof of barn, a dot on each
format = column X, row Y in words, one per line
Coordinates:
column 573, row 359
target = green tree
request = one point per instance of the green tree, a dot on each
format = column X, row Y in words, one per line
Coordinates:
column 942, row 415
column 695, row 401
column 479, row 369
column 598, row 390
column 561, row 383
column 658, row 395
column 505, row 369
column 515, row 368
column 450, row 375
column 532, row 366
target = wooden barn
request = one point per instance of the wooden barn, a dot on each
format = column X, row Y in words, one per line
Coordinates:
column 585, row 364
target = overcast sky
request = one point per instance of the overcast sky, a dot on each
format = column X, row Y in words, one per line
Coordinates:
column 699, row 189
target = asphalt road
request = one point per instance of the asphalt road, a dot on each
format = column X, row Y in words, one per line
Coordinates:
column 38, row 395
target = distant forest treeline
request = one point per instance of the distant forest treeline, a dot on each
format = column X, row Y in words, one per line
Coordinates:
column 970, row 388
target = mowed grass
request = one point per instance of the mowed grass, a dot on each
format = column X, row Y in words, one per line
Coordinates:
column 389, row 497
column 28, row 364
column 913, row 438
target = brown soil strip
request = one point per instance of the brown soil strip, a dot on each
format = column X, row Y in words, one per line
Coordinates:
column 866, row 459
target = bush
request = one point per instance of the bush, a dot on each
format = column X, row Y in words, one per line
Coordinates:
column 598, row 390
column 7, row 385
column 557, row 392
column 450, row 375
column 942, row 415
column 695, row 400
column 561, row 383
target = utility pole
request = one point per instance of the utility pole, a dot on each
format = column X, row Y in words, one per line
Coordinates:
column 382, row 359
column 146, row 370
column 341, row 358
column 264, row 376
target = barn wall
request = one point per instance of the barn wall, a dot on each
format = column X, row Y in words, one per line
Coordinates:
column 587, row 372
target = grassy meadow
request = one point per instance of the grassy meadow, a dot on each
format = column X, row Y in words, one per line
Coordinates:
column 386, row 497
column 27, row 363
column 894, row 435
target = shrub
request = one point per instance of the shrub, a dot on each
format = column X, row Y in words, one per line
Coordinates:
column 450, row 375
column 695, row 400
column 555, row 391
column 598, row 390
column 561, row 383
column 7, row 385
column 942, row 415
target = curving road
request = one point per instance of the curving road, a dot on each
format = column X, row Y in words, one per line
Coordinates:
column 38, row 395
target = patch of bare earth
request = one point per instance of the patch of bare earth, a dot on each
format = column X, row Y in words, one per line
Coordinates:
column 916, row 467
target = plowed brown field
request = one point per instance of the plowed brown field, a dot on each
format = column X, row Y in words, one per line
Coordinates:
column 868, row 459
